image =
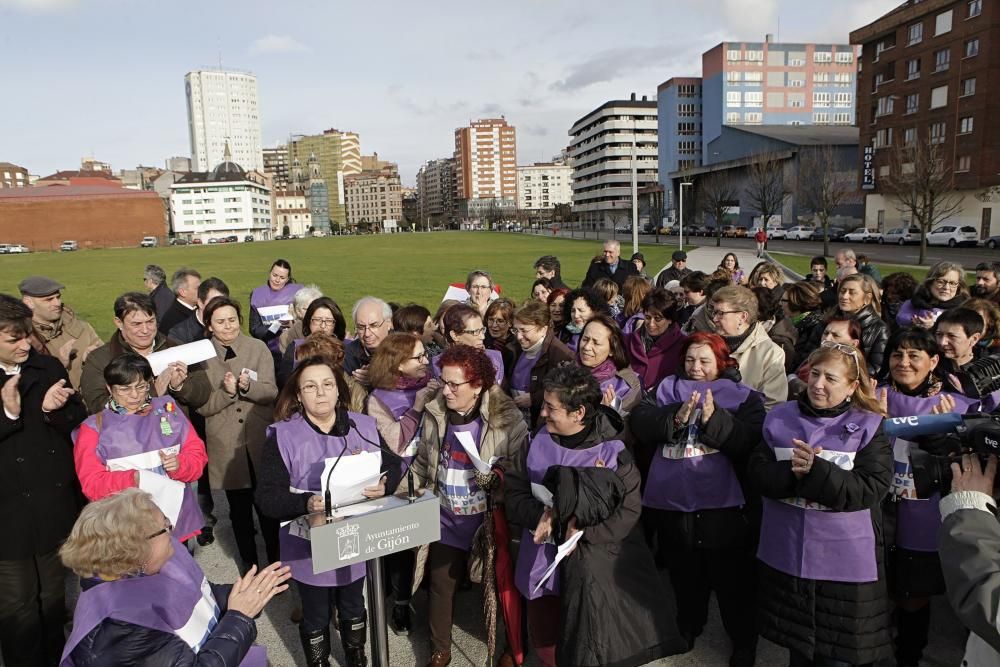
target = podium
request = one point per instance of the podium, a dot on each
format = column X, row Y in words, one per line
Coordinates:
column 368, row 531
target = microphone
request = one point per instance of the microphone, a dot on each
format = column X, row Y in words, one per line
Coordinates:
column 918, row 425
column 327, row 498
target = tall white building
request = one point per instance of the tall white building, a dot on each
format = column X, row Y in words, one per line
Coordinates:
column 222, row 106
column 543, row 185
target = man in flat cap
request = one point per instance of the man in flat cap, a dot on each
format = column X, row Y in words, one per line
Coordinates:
column 62, row 334
column 676, row 271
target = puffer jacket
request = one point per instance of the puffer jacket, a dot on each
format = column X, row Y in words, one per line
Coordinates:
column 874, row 336
column 806, row 327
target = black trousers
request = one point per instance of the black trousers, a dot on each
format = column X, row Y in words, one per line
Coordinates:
column 318, row 603
column 799, row 660
column 695, row 573
column 241, row 510
column 400, row 567
column 32, row 610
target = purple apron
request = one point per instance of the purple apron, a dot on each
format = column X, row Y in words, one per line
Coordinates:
column 803, row 538
column 520, row 379
column 304, row 452
column 494, row 356
column 688, row 479
column 264, row 296
column 620, row 385
column 163, row 426
column 917, row 521
column 463, row 503
column 397, row 402
column 904, row 317
column 177, row 600
column 533, row 559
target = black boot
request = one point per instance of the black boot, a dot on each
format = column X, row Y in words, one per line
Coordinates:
column 353, row 632
column 911, row 635
column 316, row 647
column 401, row 621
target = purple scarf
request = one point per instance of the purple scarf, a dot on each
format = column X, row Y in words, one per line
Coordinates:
column 604, row 371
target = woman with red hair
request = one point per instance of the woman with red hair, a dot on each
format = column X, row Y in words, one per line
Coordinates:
column 698, row 433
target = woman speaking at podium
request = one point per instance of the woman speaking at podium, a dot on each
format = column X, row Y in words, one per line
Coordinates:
column 312, row 424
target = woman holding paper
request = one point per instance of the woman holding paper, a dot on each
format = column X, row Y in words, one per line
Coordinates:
column 577, row 481
column 823, row 470
column 602, row 352
column 470, row 407
column 312, row 429
column 694, row 437
column 267, row 319
column 141, row 441
column 237, row 414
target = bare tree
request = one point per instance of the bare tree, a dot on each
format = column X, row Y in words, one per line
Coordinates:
column 922, row 185
column 765, row 187
column 716, row 193
column 823, row 187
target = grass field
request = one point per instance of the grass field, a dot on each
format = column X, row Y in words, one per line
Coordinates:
column 400, row 267
column 800, row 264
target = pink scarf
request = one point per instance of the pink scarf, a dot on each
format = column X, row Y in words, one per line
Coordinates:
column 605, row 371
column 404, row 383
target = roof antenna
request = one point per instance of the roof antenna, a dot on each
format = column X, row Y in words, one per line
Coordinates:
column 219, row 41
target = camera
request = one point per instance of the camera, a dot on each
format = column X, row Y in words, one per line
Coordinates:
column 941, row 440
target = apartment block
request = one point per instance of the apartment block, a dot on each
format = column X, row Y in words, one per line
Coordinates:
column 277, row 164
column 223, row 109
column 337, row 154
column 543, row 185
column 13, row 176
column 485, row 166
column 436, row 193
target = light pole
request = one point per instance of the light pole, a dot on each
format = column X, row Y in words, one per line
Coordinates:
column 635, row 194
column 680, row 235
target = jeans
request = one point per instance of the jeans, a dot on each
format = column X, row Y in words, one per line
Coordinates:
column 32, row 610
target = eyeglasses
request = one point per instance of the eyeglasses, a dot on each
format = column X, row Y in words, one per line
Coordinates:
column 843, row 348
column 522, row 331
column 496, row 322
column 136, row 390
column 322, row 321
column 479, row 287
column 422, row 356
column 475, row 332
column 715, row 314
column 454, row 385
column 942, row 283
column 362, row 328
column 166, row 529
column 329, row 386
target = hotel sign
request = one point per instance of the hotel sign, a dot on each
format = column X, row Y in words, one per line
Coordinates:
column 868, row 169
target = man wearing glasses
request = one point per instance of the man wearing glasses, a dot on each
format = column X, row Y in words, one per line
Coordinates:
column 372, row 323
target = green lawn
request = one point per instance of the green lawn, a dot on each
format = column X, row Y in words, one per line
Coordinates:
column 399, row 267
column 800, row 264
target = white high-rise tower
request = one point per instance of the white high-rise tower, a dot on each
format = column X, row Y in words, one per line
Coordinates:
column 222, row 106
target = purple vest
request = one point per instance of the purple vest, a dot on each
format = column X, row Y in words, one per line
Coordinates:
column 264, row 296
column 398, row 401
column 163, row 426
column 533, row 559
column 802, row 538
column 917, row 521
column 520, row 378
column 620, row 385
column 463, row 503
column 304, row 452
column 494, row 356
column 688, row 479
column 169, row 601
column 904, row 317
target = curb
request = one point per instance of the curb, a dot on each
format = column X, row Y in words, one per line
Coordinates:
column 788, row 272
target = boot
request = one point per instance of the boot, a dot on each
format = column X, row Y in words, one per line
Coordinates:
column 401, row 622
column 911, row 636
column 316, row 647
column 353, row 632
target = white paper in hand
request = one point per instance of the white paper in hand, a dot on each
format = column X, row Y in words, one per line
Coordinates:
column 469, row 445
column 353, row 474
column 561, row 553
column 542, row 494
column 192, row 353
column 145, row 461
column 272, row 313
column 168, row 494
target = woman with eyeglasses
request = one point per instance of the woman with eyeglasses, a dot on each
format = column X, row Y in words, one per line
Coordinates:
column 313, row 424
column 463, row 325
column 479, row 285
column 944, row 288
column 654, row 346
column 858, row 297
column 136, row 441
column 471, row 404
column 602, row 352
column 733, row 311
column 499, row 333
column 237, row 414
column 279, row 290
column 577, row 475
column 695, row 437
column 823, row 470
column 146, row 601
column 322, row 315
column 539, row 351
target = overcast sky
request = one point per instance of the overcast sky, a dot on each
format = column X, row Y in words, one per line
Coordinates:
column 106, row 77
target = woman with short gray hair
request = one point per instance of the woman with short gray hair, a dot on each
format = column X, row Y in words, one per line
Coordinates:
column 479, row 285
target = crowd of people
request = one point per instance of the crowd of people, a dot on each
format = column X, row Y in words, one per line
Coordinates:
column 723, row 429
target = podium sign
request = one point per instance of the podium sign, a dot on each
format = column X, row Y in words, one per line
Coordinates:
column 392, row 524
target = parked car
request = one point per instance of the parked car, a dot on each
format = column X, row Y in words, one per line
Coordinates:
column 799, row 233
column 17, row 248
column 178, row 241
column 197, row 242
column 213, row 241
column 248, row 238
column 992, row 242
column 777, row 233
column 69, row 246
column 901, row 235
column 4, row 248
column 148, row 242
column 861, row 235
column 741, row 232
column 952, row 235
column 232, row 238
column 832, row 233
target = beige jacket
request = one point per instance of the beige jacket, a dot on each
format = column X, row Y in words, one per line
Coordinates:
column 762, row 366
column 70, row 329
column 235, row 426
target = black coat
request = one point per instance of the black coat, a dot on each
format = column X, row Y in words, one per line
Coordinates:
column 39, row 492
column 119, row 643
column 355, row 356
column 839, row 620
column 810, row 329
column 671, row 273
column 600, row 270
column 162, row 298
column 188, row 330
column 874, row 336
column 176, row 314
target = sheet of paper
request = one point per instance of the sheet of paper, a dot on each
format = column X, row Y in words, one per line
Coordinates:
column 356, row 510
column 144, row 461
column 541, row 494
column 275, row 326
column 168, row 494
column 252, row 374
column 192, row 353
column 269, row 313
column 353, row 474
column 561, row 553
column 469, row 445
column 457, row 293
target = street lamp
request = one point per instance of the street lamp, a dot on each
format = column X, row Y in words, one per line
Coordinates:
column 680, row 235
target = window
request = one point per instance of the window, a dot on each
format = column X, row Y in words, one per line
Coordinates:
column 733, row 99
column 842, row 99
column 821, row 78
column 912, row 69
column 942, row 60
column 844, row 57
column 912, row 103
column 965, row 125
column 915, row 34
column 753, row 78
column 821, row 118
column 687, row 110
column 822, row 57
column 975, row 8
column 733, row 77
column 753, row 100
column 842, row 119
column 972, row 48
column 884, row 106
column 753, row 117
column 883, row 138
column 942, row 23
column 755, row 56
column 733, row 117
column 733, row 55
column 842, row 79
column 909, row 136
column 964, row 163
column 821, row 99
column 796, row 62
column 937, row 131
column 968, row 86
column 939, row 97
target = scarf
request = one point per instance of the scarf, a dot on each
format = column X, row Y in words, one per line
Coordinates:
column 922, row 299
column 113, row 405
column 734, row 342
column 573, row 328
column 931, row 386
column 604, row 371
column 404, row 383
column 807, row 409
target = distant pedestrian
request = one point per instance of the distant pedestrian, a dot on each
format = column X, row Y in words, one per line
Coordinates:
column 761, row 238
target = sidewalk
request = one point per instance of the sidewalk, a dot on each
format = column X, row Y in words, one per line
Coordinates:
column 707, row 259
